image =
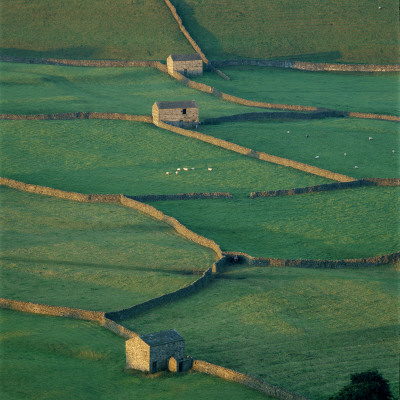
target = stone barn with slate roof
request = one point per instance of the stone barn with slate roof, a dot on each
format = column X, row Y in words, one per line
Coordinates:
column 157, row 352
column 187, row 64
column 178, row 113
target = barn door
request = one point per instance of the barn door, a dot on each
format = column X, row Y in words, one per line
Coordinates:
column 154, row 367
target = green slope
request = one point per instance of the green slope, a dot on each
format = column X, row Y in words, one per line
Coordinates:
column 99, row 29
column 326, row 30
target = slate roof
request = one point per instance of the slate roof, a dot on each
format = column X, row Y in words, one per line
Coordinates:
column 185, row 57
column 158, row 338
column 176, row 104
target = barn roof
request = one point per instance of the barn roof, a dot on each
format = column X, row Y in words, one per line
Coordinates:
column 155, row 339
column 185, row 57
column 176, row 104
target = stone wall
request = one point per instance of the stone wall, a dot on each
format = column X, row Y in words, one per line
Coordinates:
column 180, row 196
column 242, row 258
column 256, row 154
column 247, row 380
column 309, row 66
column 161, row 300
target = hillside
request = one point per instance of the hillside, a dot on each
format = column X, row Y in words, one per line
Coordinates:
column 340, row 31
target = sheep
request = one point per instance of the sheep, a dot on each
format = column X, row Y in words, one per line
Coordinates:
column 192, row 169
column 345, row 154
column 370, row 138
column 176, row 172
column 186, row 169
column 356, row 166
column 288, row 132
column 316, row 156
column 392, row 151
column 167, row 173
column 210, row 169
column 178, row 169
column 307, row 136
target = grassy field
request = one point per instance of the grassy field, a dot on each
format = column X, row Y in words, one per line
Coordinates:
column 56, row 358
column 304, row 329
column 44, row 89
column 327, row 225
column 123, row 29
column 334, row 31
column 330, row 139
column 91, row 256
column 362, row 92
column 92, row 156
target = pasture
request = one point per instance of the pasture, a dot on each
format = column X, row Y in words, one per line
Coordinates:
column 303, row 329
column 340, row 143
column 132, row 29
column 93, row 256
column 327, row 31
column 98, row 156
column 49, row 357
column 341, row 224
column 45, row 89
column 344, row 91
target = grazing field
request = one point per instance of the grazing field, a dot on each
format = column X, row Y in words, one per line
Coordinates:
column 92, row 256
column 333, row 31
column 45, row 89
column 306, row 330
column 349, row 223
column 330, row 139
column 344, row 91
column 97, row 156
column 57, row 358
column 125, row 29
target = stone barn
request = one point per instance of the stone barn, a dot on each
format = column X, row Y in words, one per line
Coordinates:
column 187, row 64
column 178, row 113
column 157, row 352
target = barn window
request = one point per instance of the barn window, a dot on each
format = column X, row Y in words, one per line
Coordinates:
column 184, row 111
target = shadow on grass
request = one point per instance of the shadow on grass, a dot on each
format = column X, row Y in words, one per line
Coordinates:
column 111, row 267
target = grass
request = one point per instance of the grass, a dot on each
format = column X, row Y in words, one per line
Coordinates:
column 45, row 89
column 327, row 225
column 92, row 156
column 306, row 330
column 91, row 256
column 48, row 357
column 329, row 138
column 333, row 31
column 361, row 92
column 94, row 29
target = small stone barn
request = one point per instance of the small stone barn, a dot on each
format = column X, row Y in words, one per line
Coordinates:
column 188, row 64
column 157, row 352
column 178, row 113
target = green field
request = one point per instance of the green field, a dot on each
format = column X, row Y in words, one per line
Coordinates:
column 306, row 330
column 329, row 139
column 91, row 256
column 45, row 89
column 327, row 225
column 55, row 358
column 344, row 91
column 323, row 31
column 99, row 29
column 90, row 156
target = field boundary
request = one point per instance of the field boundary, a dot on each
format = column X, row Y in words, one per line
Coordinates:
column 247, row 380
column 328, row 187
column 309, row 66
column 243, row 258
column 180, row 196
column 255, row 154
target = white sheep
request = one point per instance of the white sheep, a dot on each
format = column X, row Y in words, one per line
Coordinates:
column 345, row 154
column 370, row 138
column 192, row 169
column 186, row 169
column 287, row 131
column 167, row 173
column 356, row 166
column 210, row 169
column 316, row 156
column 392, row 151
column 176, row 172
column 178, row 169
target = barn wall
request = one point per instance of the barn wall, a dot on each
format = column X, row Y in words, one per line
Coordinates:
column 137, row 354
column 194, row 67
column 164, row 352
column 175, row 115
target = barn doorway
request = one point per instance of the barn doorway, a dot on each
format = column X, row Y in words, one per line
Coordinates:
column 184, row 111
column 154, row 367
column 185, row 71
column 180, row 367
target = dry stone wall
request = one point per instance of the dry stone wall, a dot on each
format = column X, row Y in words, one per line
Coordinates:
column 180, row 196
column 247, row 380
column 242, row 258
column 309, row 66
